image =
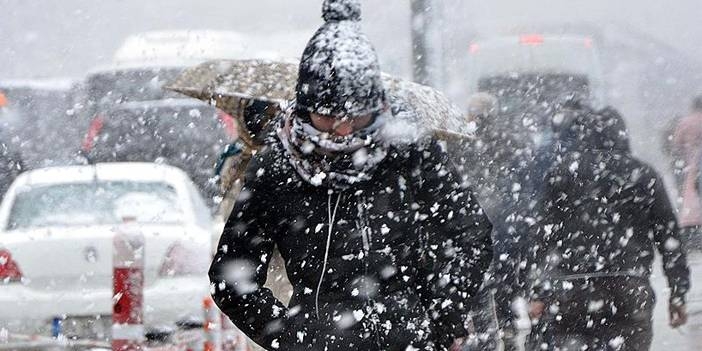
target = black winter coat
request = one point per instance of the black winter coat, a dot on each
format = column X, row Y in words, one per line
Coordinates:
column 603, row 212
column 386, row 264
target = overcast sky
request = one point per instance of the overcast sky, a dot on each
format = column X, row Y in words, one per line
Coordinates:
column 67, row 37
column 44, row 38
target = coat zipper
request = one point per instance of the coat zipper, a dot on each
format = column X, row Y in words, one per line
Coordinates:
column 367, row 236
column 330, row 229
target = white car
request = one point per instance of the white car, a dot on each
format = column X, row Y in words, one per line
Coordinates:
column 56, row 230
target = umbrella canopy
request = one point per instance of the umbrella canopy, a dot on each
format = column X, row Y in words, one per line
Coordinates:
column 234, row 85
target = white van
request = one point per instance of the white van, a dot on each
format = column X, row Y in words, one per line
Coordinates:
column 189, row 47
column 554, row 64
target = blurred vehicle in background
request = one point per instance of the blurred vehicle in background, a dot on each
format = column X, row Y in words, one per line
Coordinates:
column 56, row 231
column 107, row 87
column 145, row 62
column 38, row 120
column 129, row 117
column 119, row 109
column 531, row 74
column 191, row 47
column 184, row 133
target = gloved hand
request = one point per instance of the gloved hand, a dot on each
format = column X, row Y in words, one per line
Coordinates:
column 677, row 314
column 536, row 309
column 457, row 344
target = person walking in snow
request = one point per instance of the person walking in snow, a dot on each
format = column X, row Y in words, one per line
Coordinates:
column 601, row 216
column 485, row 160
column 383, row 244
column 687, row 146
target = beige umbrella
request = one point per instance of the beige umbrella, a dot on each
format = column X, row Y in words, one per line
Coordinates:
column 233, row 84
column 243, row 79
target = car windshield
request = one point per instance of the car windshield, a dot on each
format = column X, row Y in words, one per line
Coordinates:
column 147, row 133
column 96, row 203
column 511, row 55
column 120, row 86
column 186, row 136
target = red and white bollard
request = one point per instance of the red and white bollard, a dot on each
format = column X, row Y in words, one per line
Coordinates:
column 241, row 343
column 128, row 287
column 228, row 338
column 213, row 326
column 234, row 339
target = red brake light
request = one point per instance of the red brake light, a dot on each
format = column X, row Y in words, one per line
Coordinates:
column 531, row 39
column 181, row 260
column 3, row 100
column 228, row 122
column 9, row 270
column 473, row 48
column 93, row 131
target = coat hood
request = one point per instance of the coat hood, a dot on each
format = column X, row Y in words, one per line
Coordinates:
column 603, row 130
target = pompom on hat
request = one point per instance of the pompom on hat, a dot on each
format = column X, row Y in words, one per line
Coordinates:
column 339, row 73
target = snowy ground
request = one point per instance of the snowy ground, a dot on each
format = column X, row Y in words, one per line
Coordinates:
column 689, row 337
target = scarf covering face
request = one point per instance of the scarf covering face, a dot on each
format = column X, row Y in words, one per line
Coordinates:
column 334, row 162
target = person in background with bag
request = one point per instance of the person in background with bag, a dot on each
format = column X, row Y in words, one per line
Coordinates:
column 257, row 118
column 11, row 160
